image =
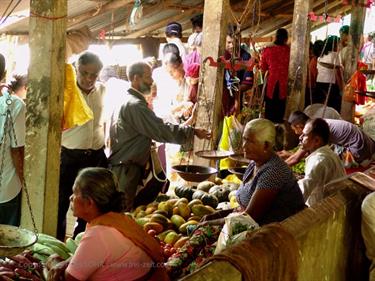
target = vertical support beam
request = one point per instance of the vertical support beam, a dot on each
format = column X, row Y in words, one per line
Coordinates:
column 150, row 47
column 299, row 56
column 44, row 111
column 215, row 21
column 356, row 30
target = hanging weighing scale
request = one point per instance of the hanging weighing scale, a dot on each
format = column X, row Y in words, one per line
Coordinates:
column 13, row 240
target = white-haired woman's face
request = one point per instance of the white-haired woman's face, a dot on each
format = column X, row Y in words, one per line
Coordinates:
column 252, row 148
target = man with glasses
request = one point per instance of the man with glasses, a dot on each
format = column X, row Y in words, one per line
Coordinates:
column 82, row 146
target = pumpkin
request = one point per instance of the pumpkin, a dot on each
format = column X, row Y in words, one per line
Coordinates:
column 184, row 192
column 205, row 185
column 221, row 192
column 206, row 198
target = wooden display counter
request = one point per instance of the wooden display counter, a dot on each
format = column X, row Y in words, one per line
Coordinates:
column 328, row 234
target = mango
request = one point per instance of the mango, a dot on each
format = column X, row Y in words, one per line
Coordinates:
column 194, row 202
column 142, row 221
column 150, row 210
column 184, row 210
column 181, row 200
column 194, row 218
column 171, row 238
column 181, row 242
column 162, row 235
column 177, row 220
column 183, row 227
column 140, row 214
column 200, row 210
column 153, row 225
column 164, row 206
column 160, row 219
column 175, row 211
column 160, row 212
column 209, row 208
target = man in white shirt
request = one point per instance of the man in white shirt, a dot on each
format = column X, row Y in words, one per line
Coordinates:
column 12, row 141
column 82, row 146
column 322, row 164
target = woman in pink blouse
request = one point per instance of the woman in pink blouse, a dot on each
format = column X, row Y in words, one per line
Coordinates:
column 275, row 59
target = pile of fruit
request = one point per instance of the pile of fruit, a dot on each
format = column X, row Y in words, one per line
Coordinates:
column 21, row 267
column 171, row 220
column 48, row 245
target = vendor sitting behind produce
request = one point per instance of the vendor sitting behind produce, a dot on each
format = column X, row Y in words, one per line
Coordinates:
column 322, row 164
column 113, row 246
column 342, row 133
column 269, row 191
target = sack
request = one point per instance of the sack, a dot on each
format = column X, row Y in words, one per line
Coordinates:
column 235, row 230
column 153, row 182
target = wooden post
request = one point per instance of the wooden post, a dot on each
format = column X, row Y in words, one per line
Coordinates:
column 299, row 56
column 150, row 47
column 215, row 22
column 356, row 30
column 44, row 112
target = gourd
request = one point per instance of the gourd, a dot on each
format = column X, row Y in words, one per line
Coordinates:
column 206, row 198
column 184, row 192
column 221, row 192
column 205, row 185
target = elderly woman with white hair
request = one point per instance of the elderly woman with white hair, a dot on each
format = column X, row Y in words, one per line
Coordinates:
column 269, row 191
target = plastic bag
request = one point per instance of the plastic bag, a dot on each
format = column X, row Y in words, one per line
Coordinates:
column 234, row 230
column 231, row 139
column 76, row 110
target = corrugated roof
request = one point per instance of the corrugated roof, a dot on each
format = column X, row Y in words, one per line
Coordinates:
column 112, row 16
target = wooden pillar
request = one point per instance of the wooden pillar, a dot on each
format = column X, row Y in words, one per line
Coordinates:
column 299, row 56
column 150, row 47
column 356, row 30
column 44, row 112
column 215, row 22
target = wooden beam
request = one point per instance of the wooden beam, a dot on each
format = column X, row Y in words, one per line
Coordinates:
column 350, row 60
column 111, row 6
column 161, row 23
column 299, row 57
column 44, row 112
column 215, row 22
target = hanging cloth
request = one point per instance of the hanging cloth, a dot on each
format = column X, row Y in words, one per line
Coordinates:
column 76, row 110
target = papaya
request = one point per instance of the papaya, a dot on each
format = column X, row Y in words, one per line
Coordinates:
column 194, row 202
column 181, row 242
column 183, row 227
column 153, row 225
column 171, row 238
column 184, row 210
column 160, row 219
column 200, row 210
column 177, row 220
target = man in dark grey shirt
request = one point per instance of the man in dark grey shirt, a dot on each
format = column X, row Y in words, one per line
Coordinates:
column 133, row 126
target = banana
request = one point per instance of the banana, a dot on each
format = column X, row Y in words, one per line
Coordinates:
column 71, row 245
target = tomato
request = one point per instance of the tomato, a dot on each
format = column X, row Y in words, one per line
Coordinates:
column 173, row 250
column 167, row 252
column 151, row 232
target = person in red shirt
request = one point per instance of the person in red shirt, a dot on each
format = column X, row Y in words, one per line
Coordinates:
column 275, row 60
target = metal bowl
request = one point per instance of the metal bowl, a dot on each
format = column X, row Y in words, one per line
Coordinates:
column 194, row 173
column 238, row 171
column 14, row 240
column 214, row 154
column 240, row 158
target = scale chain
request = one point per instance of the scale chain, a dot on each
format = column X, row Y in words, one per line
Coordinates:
column 11, row 131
